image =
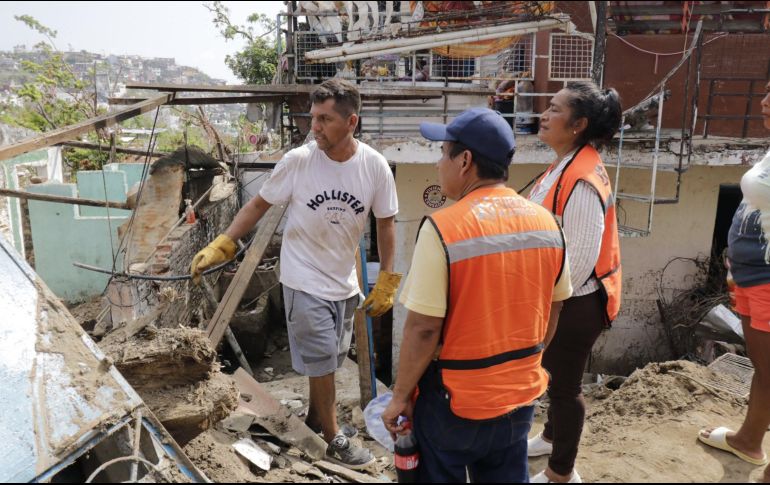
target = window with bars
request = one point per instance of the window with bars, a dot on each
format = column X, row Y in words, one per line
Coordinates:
column 457, row 68
column 570, row 58
column 518, row 60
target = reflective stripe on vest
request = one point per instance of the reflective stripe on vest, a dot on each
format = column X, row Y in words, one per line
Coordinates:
column 486, row 245
column 504, row 255
column 586, row 165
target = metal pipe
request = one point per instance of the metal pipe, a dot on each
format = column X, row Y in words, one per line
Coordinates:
column 620, row 156
column 404, row 44
column 21, row 194
column 137, row 437
column 661, row 97
column 684, row 126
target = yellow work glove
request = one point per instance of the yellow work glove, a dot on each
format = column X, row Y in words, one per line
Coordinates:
column 383, row 294
column 220, row 250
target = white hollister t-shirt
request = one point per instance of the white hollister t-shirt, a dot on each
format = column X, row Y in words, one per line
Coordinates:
column 329, row 204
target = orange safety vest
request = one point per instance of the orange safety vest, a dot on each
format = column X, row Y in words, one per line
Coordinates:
column 587, row 165
column 505, row 255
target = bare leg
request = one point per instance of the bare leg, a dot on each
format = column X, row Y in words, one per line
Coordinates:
column 748, row 439
column 323, row 405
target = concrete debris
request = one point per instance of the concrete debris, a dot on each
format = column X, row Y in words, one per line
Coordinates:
column 307, row 470
column 176, row 372
column 169, row 357
column 256, row 455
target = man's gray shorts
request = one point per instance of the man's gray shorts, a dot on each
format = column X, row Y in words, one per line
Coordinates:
column 319, row 331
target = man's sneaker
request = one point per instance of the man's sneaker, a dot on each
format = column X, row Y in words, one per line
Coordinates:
column 346, row 429
column 345, row 453
column 537, row 446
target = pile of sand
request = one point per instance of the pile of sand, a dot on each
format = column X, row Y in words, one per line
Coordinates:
column 647, row 430
column 213, row 454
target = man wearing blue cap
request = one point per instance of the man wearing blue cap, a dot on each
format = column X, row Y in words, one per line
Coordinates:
column 485, row 273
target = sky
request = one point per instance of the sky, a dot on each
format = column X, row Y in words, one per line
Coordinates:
column 182, row 30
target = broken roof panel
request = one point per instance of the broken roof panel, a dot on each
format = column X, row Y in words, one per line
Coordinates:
column 59, row 394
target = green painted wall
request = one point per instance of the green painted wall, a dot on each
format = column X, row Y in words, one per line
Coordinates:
column 63, row 233
column 13, row 203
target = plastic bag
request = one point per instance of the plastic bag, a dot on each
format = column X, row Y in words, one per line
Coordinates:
column 373, row 419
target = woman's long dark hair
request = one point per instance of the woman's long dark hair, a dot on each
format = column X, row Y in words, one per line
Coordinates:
column 602, row 109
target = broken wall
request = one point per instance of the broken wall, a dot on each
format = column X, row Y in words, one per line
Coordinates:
column 182, row 301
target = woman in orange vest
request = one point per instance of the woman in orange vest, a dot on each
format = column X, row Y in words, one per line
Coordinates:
column 576, row 188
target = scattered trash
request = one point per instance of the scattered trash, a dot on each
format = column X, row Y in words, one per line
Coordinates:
column 720, row 318
column 304, row 469
column 733, row 374
column 373, row 418
column 256, row 455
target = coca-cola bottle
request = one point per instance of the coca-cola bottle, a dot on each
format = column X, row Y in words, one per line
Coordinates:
column 407, row 457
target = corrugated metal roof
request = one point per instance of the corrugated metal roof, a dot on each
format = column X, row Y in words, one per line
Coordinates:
column 57, row 391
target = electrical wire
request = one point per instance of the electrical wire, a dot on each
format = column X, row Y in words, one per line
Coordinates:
column 142, row 181
column 663, row 53
column 116, row 254
column 130, row 276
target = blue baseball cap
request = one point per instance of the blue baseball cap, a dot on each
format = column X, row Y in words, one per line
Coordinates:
column 480, row 129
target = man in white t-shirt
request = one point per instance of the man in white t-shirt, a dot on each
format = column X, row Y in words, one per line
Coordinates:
column 330, row 186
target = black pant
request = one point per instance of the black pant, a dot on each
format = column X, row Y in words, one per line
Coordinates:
column 452, row 448
column 580, row 323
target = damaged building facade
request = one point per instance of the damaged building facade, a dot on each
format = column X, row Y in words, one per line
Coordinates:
column 675, row 176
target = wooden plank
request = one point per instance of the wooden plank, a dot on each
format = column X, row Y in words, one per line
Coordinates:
column 258, row 98
column 644, row 10
column 72, row 131
column 234, row 293
column 21, row 194
column 278, row 420
column 362, row 344
column 343, row 472
column 744, row 26
column 127, row 151
column 208, row 292
column 394, row 92
column 212, row 88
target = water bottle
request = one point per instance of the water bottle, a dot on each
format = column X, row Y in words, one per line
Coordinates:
column 189, row 212
column 407, row 457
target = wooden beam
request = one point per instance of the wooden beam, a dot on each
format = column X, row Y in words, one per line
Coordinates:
column 676, row 9
column 69, row 132
column 234, row 293
column 745, row 26
column 127, row 151
column 208, row 292
column 363, row 353
column 212, row 88
column 345, row 473
column 257, row 98
column 62, row 200
column 390, row 92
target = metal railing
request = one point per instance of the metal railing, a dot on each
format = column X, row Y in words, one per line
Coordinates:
column 749, row 94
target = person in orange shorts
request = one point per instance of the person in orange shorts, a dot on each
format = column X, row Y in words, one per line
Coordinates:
column 748, row 257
